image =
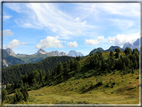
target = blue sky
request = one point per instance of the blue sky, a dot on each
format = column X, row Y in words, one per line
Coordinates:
column 82, row 27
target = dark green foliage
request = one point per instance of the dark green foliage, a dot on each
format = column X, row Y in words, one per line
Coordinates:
column 16, row 72
column 47, row 75
column 127, row 51
column 96, row 65
column 91, row 54
column 78, row 58
column 111, row 54
column 99, row 81
column 117, row 55
column 77, row 66
column 24, row 91
column 11, row 60
column 4, row 93
column 71, row 64
column 21, row 84
column 18, row 96
column 135, row 51
column 59, row 68
column 117, row 50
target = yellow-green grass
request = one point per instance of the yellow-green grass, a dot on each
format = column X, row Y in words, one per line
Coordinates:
column 71, row 91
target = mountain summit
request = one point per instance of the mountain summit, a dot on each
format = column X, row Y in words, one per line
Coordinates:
column 10, row 52
column 136, row 44
column 74, row 53
column 41, row 51
column 112, row 48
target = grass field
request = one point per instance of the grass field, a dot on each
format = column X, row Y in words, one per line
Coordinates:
column 120, row 90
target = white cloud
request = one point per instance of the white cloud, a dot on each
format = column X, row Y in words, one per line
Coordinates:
column 79, row 31
column 14, row 44
column 6, row 17
column 49, row 42
column 123, row 24
column 57, row 21
column 121, row 39
column 91, row 42
column 72, row 44
column 124, row 9
column 7, row 32
column 77, row 19
column 100, row 38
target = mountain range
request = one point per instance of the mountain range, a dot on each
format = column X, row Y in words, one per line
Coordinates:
column 72, row 53
column 10, row 58
column 112, row 48
column 134, row 45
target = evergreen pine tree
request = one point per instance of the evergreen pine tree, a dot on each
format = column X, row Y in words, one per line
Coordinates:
column 111, row 54
column 117, row 50
column 4, row 93
column 59, row 68
column 117, row 55
column 127, row 51
column 71, row 63
column 40, row 76
column 24, row 91
column 21, row 85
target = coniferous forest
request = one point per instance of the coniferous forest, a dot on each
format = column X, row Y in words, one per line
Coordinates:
column 52, row 71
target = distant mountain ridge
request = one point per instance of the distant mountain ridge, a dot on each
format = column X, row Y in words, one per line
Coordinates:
column 112, row 48
column 136, row 44
column 10, row 52
column 9, row 60
column 72, row 53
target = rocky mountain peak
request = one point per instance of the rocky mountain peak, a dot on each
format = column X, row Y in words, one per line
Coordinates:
column 126, row 45
column 41, row 51
column 10, row 52
column 73, row 53
column 63, row 53
column 136, row 43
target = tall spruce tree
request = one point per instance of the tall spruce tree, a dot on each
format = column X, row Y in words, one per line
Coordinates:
column 127, row 51
column 111, row 54
column 4, row 93
column 59, row 68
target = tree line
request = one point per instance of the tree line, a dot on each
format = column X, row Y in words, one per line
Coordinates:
column 63, row 71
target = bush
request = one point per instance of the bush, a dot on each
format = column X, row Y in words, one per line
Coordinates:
column 107, row 85
column 113, row 83
column 18, row 96
column 4, row 93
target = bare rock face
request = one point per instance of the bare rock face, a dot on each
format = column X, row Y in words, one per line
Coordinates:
column 127, row 45
column 136, row 44
column 73, row 53
column 41, row 51
column 63, row 54
column 5, row 63
column 54, row 53
column 10, row 52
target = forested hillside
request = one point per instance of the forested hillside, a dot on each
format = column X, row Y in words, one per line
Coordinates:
column 33, row 58
column 96, row 65
column 15, row 72
column 11, row 60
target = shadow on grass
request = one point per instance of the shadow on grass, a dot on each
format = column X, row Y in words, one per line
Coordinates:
column 92, row 87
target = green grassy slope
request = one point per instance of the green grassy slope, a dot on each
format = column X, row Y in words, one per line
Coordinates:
column 79, row 91
column 83, row 87
column 33, row 58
